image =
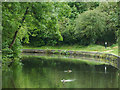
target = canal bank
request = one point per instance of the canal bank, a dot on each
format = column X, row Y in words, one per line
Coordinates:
column 114, row 60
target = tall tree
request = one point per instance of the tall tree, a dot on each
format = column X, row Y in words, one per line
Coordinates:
column 49, row 25
column 16, row 32
column 89, row 26
column 13, row 17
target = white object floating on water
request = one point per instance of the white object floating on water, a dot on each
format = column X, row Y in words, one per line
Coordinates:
column 69, row 80
column 69, row 71
column 105, row 69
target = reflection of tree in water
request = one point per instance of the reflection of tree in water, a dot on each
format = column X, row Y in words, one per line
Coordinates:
column 61, row 72
column 40, row 73
column 119, row 78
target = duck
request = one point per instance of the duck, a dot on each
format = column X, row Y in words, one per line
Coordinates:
column 69, row 71
column 69, row 80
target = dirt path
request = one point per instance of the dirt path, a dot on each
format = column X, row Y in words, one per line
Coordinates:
column 108, row 51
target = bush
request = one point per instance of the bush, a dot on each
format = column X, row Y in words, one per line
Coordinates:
column 90, row 25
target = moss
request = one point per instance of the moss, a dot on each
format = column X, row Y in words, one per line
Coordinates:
column 63, row 52
column 48, row 51
column 56, row 52
column 103, row 55
column 68, row 53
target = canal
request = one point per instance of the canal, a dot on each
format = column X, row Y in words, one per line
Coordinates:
column 45, row 71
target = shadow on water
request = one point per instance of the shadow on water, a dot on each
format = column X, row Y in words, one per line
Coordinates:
column 119, row 79
column 0, row 70
column 39, row 72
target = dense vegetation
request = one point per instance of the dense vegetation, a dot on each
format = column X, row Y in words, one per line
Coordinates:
column 119, row 44
column 119, row 28
column 56, row 23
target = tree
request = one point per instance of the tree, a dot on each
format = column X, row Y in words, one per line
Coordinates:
column 0, row 26
column 67, row 27
column 97, row 25
column 110, row 8
column 49, row 27
column 21, row 20
column 80, row 7
column 89, row 26
column 12, row 18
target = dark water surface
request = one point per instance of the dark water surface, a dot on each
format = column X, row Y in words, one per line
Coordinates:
column 56, row 73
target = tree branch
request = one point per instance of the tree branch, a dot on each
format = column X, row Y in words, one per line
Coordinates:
column 15, row 35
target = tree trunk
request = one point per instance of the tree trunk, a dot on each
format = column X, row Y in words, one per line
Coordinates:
column 15, row 35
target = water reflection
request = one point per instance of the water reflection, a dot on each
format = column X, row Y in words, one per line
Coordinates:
column 68, row 71
column 69, row 80
column 105, row 69
column 51, row 73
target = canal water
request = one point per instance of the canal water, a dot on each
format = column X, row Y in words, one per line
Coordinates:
column 44, row 72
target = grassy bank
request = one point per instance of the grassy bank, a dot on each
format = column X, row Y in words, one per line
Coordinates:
column 95, row 48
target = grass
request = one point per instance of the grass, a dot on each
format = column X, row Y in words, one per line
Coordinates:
column 95, row 48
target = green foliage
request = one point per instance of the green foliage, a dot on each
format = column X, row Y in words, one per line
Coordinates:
column 11, row 56
column 56, row 52
column 67, row 31
column 110, row 8
column 46, row 30
column 97, row 25
column 118, row 29
column 56, row 23
column 89, row 26
column 12, row 17
column 80, row 7
column 12, row 14
column 119, row 42
column 67, row 26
